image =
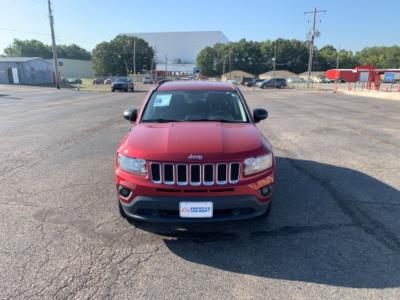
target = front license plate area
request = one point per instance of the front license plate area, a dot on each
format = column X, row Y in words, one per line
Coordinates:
column 195, row 209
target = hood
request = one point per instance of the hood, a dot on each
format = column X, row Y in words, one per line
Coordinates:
column 214, row 141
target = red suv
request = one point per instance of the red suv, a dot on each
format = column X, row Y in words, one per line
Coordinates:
column 194, row 154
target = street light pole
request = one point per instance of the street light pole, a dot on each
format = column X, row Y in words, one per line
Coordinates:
column 337, row 58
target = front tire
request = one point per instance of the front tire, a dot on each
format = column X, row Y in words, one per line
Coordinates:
column 113, row 90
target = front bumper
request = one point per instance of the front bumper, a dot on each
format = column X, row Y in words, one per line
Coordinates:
column 166, row 209
column 119, row 87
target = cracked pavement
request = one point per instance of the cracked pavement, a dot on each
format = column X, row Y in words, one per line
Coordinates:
column 334, row 231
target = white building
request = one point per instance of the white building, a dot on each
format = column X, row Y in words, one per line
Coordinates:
column 74, row 68
column 180, row 48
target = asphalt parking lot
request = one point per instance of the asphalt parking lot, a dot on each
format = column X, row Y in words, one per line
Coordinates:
column 334, row 231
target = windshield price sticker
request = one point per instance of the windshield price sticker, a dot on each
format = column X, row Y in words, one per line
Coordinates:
column 162, row 100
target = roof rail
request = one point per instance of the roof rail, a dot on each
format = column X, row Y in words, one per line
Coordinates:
column 160, row 82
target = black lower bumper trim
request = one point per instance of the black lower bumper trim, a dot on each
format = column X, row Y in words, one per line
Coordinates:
column 166, row 209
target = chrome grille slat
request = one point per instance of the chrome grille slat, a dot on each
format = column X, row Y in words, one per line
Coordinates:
column 195, row 173
column 167, row 169
column 221, row 178
column 234, row 171
column 207, row 174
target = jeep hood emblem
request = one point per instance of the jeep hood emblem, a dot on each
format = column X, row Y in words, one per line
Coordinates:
column 195, row 156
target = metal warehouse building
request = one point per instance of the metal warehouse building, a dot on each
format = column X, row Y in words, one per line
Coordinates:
column 25, row 70
column 180, row 48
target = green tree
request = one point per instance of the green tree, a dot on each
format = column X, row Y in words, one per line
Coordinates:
column 35, row 48
column 116, row 57
column 28, row 48
column 380, row 57
column 73, row 51
column 327, row 57
column 207, row 61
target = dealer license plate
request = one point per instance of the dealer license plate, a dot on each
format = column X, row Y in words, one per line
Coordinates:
column 195, row 209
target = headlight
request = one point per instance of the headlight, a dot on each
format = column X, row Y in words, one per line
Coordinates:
column 257, row 164
column 132, row 165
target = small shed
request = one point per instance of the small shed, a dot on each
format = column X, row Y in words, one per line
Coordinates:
column 278, row 73
column 25, row 70
column 237, row 75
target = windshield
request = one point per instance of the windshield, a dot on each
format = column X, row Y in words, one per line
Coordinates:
column 122, row 79
column 191, row 106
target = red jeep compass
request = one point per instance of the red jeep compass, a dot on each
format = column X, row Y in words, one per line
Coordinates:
column 194, row 154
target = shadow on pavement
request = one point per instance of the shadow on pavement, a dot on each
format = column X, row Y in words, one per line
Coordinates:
column 329, row 225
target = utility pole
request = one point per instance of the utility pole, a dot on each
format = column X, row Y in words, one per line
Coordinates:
column 166, row 66
column 51, row 19
column 223, row 64
column 313, row 32
column 337, row 58
column 230, row 65
column 134, row 60
column 274, row 59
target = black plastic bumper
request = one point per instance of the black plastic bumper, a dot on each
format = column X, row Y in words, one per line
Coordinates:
column 166, row 209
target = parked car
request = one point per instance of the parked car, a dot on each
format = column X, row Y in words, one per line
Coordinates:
column 74, row 81
column 123, row 83
column 340, row 80
column 107, row 81
column 253, row 82
column 245, row 80
column 98, row 81
column 147, row 80
column 274, row 83
column 63, row 80
column 259, row 82
column 232, row 81
column 295, row 80
column 194, row 155
column 326, row 80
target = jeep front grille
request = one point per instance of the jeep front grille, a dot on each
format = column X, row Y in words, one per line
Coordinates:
column 195, row 174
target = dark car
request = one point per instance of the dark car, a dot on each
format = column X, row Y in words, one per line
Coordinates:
column 245, row 80
column 98, row 81
column 123, row 83
column 274, row 83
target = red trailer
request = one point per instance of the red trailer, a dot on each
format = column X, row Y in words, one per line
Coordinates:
column 346, row 75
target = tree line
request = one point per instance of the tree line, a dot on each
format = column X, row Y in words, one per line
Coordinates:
column 109, row 58
column 35, row 48
column 291, row 54
column 116, row 56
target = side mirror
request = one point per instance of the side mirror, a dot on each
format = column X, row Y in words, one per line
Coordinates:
column 130, row 114
column 259, row 114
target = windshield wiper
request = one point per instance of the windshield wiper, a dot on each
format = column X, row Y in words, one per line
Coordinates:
column 160, row 120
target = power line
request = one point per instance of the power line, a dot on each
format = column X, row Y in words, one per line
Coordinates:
column 313, row 33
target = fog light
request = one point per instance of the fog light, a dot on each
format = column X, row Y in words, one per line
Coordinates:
column 266, row 190
column 123, row 191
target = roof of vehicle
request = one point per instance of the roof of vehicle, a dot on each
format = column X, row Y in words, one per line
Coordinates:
column 195, row 85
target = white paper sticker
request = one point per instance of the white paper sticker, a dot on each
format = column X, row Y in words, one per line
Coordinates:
column 162, row 100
